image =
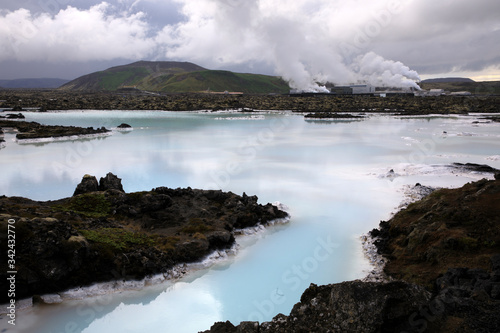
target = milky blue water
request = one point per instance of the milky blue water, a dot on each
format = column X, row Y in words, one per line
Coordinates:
column 332, row 175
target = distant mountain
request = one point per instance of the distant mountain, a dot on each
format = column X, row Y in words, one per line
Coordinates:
column 448, row 80
column 45, row 83
column 176, row 77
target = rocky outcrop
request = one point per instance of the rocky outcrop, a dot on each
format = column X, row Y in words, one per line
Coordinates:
column 464, row 300
column 331, row 115
column 14, row 116
column 449, row 242
column 449, row 228
column 110, row 182
column 475, row 167
column 123, row 126
column 34, row 130
column 102, row 233
column 88, row 184
column 353, row 306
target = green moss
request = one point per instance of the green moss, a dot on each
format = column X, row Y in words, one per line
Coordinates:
column 89, row 205
column 467, row 243
column 166, row 243
column 489, row 243
column 196, row 225
column 116, row 238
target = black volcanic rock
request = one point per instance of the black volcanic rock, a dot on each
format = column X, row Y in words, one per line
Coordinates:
column 102, row 233
column 331, row 115
column 123, row 125
column 475, row 167
column 352, row 306
column 110, row 182
column 408, row 105
column 87, row 185
column 34, row 130
column 14, row 116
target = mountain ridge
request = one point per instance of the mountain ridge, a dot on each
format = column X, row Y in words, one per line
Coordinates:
column 448, row 80
column 32, row 83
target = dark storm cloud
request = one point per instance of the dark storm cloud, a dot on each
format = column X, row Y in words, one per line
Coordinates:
column 305, row 41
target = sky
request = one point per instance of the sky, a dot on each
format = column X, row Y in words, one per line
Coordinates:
column 391, row 42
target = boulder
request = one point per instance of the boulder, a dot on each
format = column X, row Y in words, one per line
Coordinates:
column 15, row 116
column 353, row 306
column 110, row 182
column 87, row 185
column 123, row 125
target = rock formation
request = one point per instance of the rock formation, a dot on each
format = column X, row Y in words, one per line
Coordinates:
column 87, row 185
column 34, row 130
column 102, row 233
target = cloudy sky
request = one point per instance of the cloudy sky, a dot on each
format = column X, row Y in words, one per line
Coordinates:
column 305, row 41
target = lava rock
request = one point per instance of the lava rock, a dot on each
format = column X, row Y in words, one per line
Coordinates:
column 110, row 182
column 353, row 306
column 15, row 116
column 87, row 185
column 475, row 167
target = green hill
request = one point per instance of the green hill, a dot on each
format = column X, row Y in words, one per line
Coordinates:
column 176, row 77
column 458, row 84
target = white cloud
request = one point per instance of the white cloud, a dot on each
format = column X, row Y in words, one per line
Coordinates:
column 302, row 40
column 305, row 41
column 74, row 34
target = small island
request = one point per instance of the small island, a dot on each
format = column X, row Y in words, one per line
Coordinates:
column 33, row 130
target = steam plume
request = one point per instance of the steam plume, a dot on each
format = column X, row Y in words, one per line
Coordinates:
column 301, row 41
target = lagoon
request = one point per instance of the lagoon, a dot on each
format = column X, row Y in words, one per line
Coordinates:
column 334, row 177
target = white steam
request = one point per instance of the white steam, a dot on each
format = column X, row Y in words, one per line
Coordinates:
column 304, row 41
column 307, row 42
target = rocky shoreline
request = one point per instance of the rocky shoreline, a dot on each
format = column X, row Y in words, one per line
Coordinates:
column 102, row 233
column 442, row 260
column 43, row 100
column 32, row 130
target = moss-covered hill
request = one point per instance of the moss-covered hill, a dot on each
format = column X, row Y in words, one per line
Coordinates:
column 450, row 228
column 175, row 77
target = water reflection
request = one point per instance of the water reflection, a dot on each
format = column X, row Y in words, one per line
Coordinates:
column 327, row 175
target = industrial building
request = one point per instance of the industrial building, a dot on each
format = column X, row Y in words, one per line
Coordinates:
column 356, row 89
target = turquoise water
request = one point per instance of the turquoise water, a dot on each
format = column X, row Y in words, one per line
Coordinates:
column 331, row 175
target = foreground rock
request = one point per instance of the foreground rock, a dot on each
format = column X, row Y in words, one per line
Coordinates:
column 345, row 307
column 449, row 242
column 105, row 234
column 448, row 229
column 34, row 130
